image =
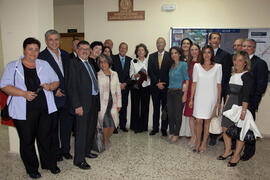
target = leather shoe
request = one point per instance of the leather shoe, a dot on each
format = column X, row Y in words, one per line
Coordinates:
column 55, row 170
column 84, row 165
column 91, row 155
column 34, row 175
column 244, row 158
column 115, row 131
column 67, row 155
column 230, row 164
column 152, row 133
column 59, row 158
column 224, row 158
column 124, row 129
column 164, row 133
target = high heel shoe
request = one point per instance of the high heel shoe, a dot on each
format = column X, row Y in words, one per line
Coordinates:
column 224, row 158
column 230, row 164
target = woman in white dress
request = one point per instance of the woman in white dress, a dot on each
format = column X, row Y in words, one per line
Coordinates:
column 206, row 92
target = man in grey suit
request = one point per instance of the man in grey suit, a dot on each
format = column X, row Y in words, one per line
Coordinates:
column 84, row 99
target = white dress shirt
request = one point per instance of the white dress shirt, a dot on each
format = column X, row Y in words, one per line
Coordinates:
column 57, row 60
column 136, row 66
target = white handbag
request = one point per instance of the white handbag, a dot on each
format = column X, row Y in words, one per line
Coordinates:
column 215, row 123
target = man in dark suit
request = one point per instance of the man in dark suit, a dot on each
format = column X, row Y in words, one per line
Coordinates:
column 96, row 48
column 225, row 59
column 158, row 70
column 260, row 73
column 59, row 61
column 84, row 101
column 74, row 48
column 121, row 64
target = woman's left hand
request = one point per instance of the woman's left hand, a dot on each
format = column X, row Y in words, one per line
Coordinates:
column 46, row 86
column 118, row 109
column 243, row 115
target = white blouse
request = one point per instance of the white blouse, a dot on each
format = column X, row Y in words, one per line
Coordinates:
column 137, row 65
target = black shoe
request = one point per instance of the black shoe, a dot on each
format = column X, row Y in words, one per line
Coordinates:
column 164, row 133
column 212, row 142
column 84, row 165
column 152, row 133
column 91, row 155
column 230, row 164
column 245, row 158
column 124, row 129
column 115, row 131
column 138, row 131
column 67, row 155
column 34, row 175
column 224, row 158
column 59, row 158
column 55, row 170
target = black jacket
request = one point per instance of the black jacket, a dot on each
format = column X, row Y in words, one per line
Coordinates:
column 123, row 74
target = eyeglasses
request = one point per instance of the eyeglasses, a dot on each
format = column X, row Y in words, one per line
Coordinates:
column 84, row 49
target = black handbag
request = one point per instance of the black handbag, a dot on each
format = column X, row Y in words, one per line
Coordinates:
column 234, row 132
column 4, row 112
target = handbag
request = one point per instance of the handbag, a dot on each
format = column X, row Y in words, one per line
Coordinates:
column 234, row 132
column 4, row 112
column 98, row 145
column 215, row 123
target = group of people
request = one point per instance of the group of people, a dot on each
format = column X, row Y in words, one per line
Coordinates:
column 89, row 89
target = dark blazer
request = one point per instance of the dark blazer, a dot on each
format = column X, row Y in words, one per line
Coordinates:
column 225, row 59
column 46, row 55
column 72, row 55
column 123, row 74
column 259, row 69
column 156, row 74
column 79, row 86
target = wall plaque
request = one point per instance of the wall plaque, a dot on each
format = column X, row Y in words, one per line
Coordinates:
column 126, row 12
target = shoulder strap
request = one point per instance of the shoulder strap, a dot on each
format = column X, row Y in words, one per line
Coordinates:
column 13, row 80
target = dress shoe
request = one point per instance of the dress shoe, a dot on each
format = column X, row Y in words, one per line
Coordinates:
column 245, row 158
column 34, row 175
column 164, row 133
column 115, row 131
column 55, row 170
column 212, row 142
column 138, row 131
column 230, row 164
column 84, row 165
column 91, row 155
column 67, row 155
column 224, row 158
column 152, row 133
column 124, row 129
column 59, row 158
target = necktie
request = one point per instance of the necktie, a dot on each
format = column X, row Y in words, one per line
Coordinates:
column 159, row 60
column 123, row 62
column 92, row 76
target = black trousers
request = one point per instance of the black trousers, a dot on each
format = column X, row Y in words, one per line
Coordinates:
column 140, row 99
column 37, row 126
column 85, row 132
column 123, row 111
column 159, row 97
column 175, row 111
column 61, row 135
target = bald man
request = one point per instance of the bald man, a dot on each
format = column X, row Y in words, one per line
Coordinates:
column 158, row 70
column 108, row 43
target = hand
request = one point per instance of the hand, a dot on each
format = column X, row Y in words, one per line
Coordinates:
column 29, row 95
column 59, row 93
column 190, row 103
column 46, row 86
column 123, row 86
column 118, row 109
column 79, row 111
column 218, row 107
column 243, row 115
column 185, row 87
column 160, row 85
column 137, row 75
column 184, row 98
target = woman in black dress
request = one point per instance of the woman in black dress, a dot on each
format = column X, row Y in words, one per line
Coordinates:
column 240, row 88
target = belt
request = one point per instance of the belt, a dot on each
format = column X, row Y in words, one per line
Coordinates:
column 174, row 89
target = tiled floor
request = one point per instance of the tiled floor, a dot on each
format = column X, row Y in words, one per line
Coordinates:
column 140, row 156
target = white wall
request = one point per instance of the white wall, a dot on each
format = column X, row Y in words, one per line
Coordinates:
column 70, row 16
column 19, row 20
column 188, row 13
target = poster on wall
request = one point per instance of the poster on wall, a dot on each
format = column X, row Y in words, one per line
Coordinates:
column 228, row 36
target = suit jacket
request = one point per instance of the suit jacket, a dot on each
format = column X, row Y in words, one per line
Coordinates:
column 72, row 55
column 156, row 74
column 259, row 69
column 79, row 86
column 225, row 59
column 46, row 56
column 94, row 64
column 123, row 74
